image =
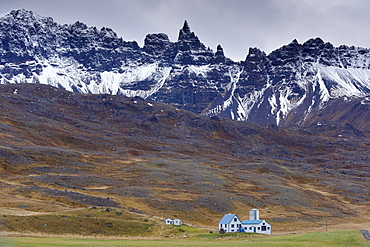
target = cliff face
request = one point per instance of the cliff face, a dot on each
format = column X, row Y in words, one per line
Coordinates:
column 284, row 87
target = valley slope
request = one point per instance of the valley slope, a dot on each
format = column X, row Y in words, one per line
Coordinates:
column 62, row 150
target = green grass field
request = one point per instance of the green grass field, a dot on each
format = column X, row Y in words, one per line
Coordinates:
column 340, row 238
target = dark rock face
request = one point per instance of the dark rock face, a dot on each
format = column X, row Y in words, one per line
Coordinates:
column 157, row 44
column 289, row 83
column 255, row 69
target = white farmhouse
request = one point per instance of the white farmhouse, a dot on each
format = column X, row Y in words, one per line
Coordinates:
column 229, row 223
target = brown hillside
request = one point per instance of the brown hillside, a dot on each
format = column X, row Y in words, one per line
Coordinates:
column 62, row 150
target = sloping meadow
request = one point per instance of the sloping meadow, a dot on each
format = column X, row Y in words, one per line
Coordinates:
column 60, row 150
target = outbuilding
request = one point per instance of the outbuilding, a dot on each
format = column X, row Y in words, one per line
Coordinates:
column 177, row 222
column 257, row 226
column 168, row 221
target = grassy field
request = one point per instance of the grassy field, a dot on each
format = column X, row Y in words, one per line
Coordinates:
column 339, row 238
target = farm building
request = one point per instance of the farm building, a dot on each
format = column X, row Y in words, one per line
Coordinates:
column 257, row 226
column 231, row 223
column 175, row 222
column 168, row 221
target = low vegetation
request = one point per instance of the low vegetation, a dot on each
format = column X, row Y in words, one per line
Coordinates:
column 85, row 222
column 341, row 238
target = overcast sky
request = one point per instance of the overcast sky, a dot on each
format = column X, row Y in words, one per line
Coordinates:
column 235, row 24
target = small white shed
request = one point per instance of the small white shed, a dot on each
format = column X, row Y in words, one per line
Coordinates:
column 168, row 221
column 177, row 222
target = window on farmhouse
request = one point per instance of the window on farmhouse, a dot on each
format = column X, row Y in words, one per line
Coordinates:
column 235, row 219
column 232, row 225
column 263, row 228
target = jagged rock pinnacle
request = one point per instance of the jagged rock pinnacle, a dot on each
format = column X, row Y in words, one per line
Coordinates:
column 220, row 51
column 185, row 32
column 186, row 27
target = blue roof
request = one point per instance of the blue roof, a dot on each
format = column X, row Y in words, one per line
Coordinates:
column 251, row 222
column 227, row 218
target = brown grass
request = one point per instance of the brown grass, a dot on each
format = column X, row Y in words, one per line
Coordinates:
column 296, row 177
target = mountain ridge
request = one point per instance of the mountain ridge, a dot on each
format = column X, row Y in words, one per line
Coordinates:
column 292, row 82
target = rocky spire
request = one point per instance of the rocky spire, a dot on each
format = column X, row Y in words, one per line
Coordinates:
column 185, row 32
column 220, row 51
column 188, row 40
column 219, row 55
column 186, row 27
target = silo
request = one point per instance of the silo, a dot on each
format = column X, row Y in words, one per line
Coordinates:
column 254, row 214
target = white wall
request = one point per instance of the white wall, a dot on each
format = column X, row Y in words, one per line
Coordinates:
column 232, row 226
column 256, row 230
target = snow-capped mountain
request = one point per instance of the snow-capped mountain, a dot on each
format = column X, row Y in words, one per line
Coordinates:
column 296, row 79
column 283, row 87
